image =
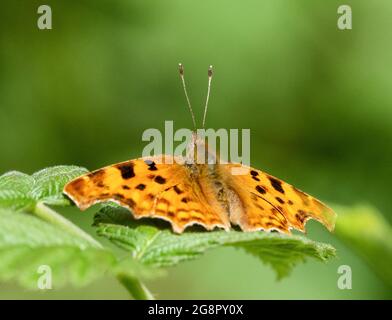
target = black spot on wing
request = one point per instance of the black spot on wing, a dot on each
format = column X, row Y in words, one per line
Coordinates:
column 151, row 165
column 141, row 186
column 254, row 173
column 279, row 200
column 160, row 180
column 185, row 200
column 126, row 170
column 276, row 184
column 177, row 190
column 261, row 189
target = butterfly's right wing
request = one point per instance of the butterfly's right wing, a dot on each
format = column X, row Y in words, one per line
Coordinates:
column 266, row 202
column 156, row 187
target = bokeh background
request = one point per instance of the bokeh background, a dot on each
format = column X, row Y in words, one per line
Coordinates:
column 318, row 101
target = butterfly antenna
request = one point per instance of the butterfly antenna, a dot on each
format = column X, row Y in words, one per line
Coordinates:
column 208, row 94
column 181, row 71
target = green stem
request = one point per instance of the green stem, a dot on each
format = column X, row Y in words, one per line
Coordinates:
column 135, row 287
column 47, row 214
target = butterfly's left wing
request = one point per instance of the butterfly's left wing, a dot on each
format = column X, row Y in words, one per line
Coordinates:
column 270, row 203
column 156, row 187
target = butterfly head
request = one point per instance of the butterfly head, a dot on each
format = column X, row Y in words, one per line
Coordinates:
column 198, row 151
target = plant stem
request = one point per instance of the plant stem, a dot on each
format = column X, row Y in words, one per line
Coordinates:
column 47, row 214
column 135, row 287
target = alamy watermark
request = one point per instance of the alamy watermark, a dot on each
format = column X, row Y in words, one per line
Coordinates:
column 345, row 19
column 45, row 19
column 345, row 278
column 45, row 279
column 202, row 146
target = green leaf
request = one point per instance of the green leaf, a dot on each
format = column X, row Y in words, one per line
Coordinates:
column 366, row 230
column 49, row 183
column 158, row 247
column 27, row 242
column 19, row 191
column 47, row 239
column 14, row 190
column 15, row 180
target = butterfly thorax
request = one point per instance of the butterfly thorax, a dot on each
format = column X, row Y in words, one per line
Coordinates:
column 203, row 163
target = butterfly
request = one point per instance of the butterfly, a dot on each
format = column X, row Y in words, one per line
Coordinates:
column 185, row 193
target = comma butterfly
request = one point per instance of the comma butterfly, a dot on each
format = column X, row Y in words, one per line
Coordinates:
column 186, row 193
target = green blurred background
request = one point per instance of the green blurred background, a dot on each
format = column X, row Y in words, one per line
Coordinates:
column 318, row 101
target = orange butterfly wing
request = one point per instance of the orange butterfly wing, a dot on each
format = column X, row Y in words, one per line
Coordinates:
column 150, row 187
column 270, row 203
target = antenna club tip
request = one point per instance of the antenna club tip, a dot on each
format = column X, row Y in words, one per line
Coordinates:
column 210, row 71
column 181, row 69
